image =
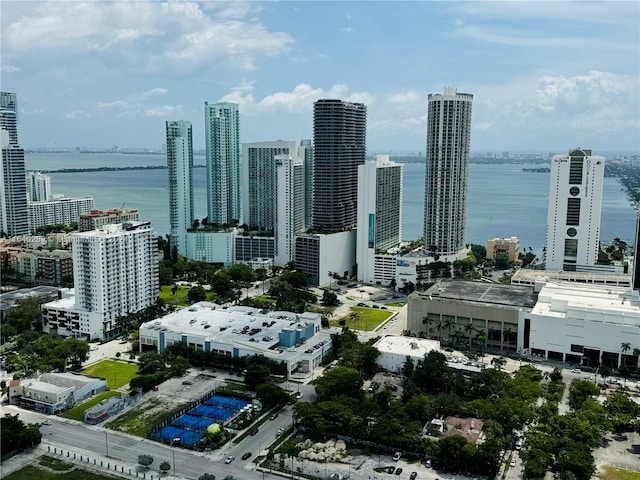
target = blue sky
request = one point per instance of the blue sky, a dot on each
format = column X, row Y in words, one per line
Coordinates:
column 546, row 76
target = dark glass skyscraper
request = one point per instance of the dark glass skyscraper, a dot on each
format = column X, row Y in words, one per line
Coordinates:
column 339, row 138
column 445, row 189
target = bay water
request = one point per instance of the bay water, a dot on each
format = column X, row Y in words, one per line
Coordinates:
column 502, row 200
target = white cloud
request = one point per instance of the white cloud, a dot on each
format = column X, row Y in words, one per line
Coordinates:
column 554, row 110
column 533, row 39
column 154, row 92
column 161, row 111
column 609, row 12
column 185, row 37
column 138, row 104
column 75, row 114
column 9, row 68
column 298, row 100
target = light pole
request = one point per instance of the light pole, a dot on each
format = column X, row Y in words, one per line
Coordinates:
column 174, row 461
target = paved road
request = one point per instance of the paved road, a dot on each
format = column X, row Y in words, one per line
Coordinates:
column 123, row 450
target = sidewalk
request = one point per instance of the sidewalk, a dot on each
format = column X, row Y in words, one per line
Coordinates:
column 85, row 460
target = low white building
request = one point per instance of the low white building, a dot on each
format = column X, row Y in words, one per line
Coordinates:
column 295, row 339
column 58, row 211
column 394, row 351
column 212, row 246
column 322, row 255
column 582, row 324
column 55, row 392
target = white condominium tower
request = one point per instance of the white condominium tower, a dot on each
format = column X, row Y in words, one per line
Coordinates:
column 222, row 132
column 115, row 271
column 379, row 212
column 38, row 187
column 573, row 218
column 9, row 115
column 260, row 198
column 291, row 212
column 180, row 166
column 14, row 216
column 445, row 195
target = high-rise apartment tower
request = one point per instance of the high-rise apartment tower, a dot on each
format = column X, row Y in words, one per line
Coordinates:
column 222, row 135
column 445, row 195
column 115, row 272
column 379, row 212
column 573, row 217
column 180, row 166
column 9, row 115
column 339, row 139
column 38, row 187
column 14, row 216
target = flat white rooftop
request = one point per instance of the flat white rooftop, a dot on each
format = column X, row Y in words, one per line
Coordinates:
column 412, row 346
column 589, row 302
column 231, row 325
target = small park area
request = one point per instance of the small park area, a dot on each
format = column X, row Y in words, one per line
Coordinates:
column 179, row 298
column 117, row 372
column 361, row 318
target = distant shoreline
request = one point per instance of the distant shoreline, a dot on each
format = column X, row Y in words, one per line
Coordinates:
column 107, row 169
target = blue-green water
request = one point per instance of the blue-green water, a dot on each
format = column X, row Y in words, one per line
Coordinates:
column 503, row 201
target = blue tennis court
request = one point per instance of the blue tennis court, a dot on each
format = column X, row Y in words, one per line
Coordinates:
column 218, row 414
column 190, row 427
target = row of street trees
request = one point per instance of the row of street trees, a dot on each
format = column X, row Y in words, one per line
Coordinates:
column 446, row 327
column 430, row 390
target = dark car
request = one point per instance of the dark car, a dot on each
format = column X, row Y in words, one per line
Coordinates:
column 413, row 475
column 187, row 382
column 398, row 470
column 253, row 432
column 391, row 469
column 246, row 455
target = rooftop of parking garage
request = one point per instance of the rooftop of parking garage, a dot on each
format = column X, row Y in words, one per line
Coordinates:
column 483, row 293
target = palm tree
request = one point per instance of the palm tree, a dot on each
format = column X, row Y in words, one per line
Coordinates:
column 481, row 336
column 427, row 321
column 636, row 355
column 624, row 348
column 457, row 334
column 506, row 335
column 355, row 318
column 447, row 324
column 439, row 325
column 469, row 329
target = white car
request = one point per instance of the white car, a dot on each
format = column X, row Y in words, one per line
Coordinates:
column 46, row 422
column 396, row 456
column 575, row 370
column 299, row 395
column 230, row 459
column 513, row 463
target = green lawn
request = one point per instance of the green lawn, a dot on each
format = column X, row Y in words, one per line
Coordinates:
column 77, row 412
column 30, row 473
column 117, row 373
column 140, row 420
column 369, row 318
column 180, row 298
column 612, row 473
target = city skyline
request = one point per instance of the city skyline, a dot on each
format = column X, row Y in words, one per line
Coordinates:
column 110, row 73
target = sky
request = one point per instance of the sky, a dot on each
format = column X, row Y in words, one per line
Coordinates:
column 546, row 76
